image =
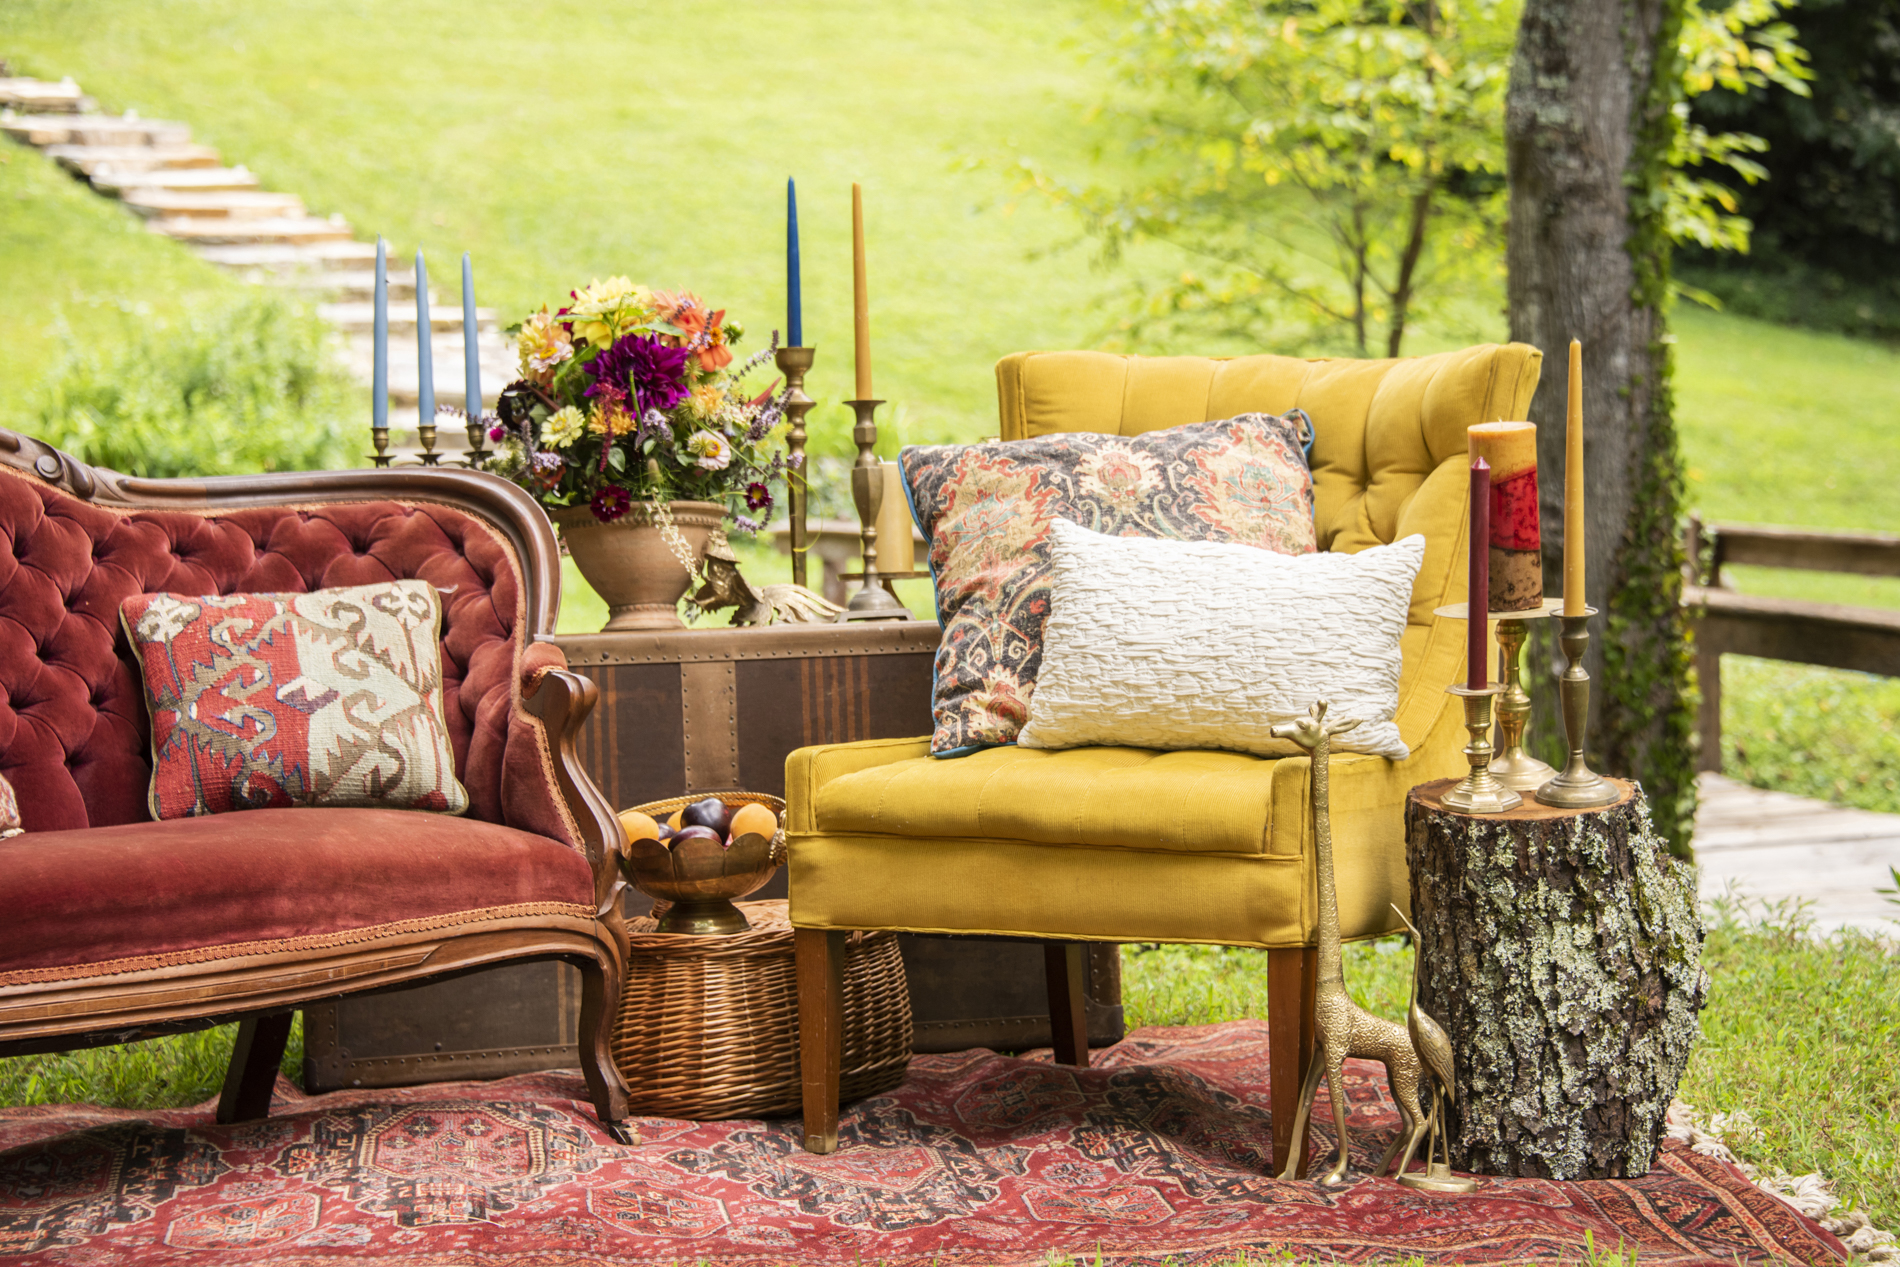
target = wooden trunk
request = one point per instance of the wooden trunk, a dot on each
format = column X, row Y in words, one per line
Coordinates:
column 1561, row 950
column 710, row 710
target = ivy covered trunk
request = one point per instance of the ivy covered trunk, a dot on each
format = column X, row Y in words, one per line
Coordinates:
column 1588, row 127
column 1562, row 952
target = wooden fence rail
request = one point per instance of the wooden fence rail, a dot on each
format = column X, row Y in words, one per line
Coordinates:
column 1832, row 635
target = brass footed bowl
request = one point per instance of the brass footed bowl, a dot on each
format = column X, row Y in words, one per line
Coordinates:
column 702, row 878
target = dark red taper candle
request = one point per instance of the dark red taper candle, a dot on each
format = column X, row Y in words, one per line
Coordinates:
column 1478, row 601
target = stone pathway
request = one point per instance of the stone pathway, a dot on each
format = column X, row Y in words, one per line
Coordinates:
column 184, row 191
column 1773, row 846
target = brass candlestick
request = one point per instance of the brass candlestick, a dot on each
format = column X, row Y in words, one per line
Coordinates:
column 795, row 363
column 425, row 432
column 477, row 436
column 1479, row 792
column 873, row 602
column 1578, row 787
column 379, row 436
column 1514, row 767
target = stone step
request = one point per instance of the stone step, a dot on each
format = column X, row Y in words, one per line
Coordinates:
column 203, row 230
column 361, row 316
column 357, row 352
column 294, row 258
column 37, row 96
column 354, row 286
column 88, row 159
column 115, row 180
column 230, row 205
column 93, row 129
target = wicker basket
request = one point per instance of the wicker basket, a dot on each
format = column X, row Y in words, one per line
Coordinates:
column 708, row 1026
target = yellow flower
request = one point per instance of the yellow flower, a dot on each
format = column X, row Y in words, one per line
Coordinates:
column 562, row 428
column 603, row 311
column 708, row 400
column 543, row 345
column 610, row 418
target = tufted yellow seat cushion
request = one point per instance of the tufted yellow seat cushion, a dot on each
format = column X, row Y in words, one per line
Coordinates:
column 1123, row 844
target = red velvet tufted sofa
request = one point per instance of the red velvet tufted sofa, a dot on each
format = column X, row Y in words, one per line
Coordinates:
column 115, row 927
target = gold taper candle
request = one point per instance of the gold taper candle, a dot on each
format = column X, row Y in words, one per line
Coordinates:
column 1573, row 489
column 860, row 295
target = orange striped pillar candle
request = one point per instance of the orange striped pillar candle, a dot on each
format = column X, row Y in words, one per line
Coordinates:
column 1516, row 558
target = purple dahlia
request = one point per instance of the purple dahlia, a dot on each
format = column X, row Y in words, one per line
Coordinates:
column 655, row 372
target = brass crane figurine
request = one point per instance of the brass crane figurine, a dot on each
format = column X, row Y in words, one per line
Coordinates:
column 1433, row 1046
column 1345, row 1028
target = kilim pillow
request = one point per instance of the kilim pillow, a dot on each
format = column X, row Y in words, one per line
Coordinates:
column 327, row 698
column 1195, row 644
column 9, row 810
column 987, row 509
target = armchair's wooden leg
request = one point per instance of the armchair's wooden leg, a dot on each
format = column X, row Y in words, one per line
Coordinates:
column 820, row 958
column 252, row 1073
column 1291, row 985
column 1065, row 963
column 601, row 981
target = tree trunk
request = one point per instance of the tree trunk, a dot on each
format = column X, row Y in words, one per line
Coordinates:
column 1562, row 952
column 1587, row 130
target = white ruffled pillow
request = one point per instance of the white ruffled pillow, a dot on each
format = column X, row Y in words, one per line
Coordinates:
column 1199, row 644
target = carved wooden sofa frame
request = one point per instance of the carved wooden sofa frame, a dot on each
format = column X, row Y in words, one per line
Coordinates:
column 529, row 791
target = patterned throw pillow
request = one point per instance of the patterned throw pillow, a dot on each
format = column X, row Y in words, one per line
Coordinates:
column 9, row 810
column 328, row 698
column 987, row 510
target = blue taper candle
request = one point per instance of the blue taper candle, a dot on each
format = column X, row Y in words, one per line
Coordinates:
column 425, row 355
column 794, row 299
column 379, row 390
column 471, row 353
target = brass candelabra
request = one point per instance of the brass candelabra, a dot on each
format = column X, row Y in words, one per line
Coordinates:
column 1577, row 787
column 795, row 363
column 873, row 602
column 1479, row 792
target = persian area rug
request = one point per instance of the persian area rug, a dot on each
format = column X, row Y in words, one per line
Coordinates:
column 1158, row 1153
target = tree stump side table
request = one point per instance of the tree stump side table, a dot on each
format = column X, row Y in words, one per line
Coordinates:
column 1562, row 952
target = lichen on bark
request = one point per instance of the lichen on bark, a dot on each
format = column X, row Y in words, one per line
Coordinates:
column 1563, row 956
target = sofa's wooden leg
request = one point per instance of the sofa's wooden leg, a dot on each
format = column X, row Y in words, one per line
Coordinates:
column 820, row 958
column 600, row 1009
column 1291, row 980
column 1065, row 963
column 252, row 1073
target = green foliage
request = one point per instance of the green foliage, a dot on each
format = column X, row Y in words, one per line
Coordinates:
column 1207, row 985
column 67, row 253
column 1338, row 162
column 1803, row 1032
column 1823, row 733
column 223, row 390
column 1737, row 47
column 1832, row 198
column 160, row 1073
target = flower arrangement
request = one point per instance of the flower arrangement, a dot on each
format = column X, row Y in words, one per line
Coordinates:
column 629, row 393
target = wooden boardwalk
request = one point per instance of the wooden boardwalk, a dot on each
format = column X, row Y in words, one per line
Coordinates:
column 1774, row 846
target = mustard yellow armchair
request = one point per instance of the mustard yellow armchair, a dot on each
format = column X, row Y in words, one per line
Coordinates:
column 1127, row 845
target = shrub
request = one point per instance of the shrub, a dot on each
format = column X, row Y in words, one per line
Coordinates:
column 240, row 388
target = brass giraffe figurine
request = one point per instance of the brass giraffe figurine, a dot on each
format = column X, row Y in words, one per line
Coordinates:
column 1433, row 1046
column 1345, row 1028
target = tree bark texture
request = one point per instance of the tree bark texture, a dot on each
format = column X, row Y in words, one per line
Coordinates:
column 1587, row 129
column 1562, row 952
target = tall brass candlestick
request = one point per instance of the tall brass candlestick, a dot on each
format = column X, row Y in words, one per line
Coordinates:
column 873, row 602
column 1577, row 787
column 795, row 363
column 1514, row 767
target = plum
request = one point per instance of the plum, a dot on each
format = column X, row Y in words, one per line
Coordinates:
column 711, row 812
column 685, row 834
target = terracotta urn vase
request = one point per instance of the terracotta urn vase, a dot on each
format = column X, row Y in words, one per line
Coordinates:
column 630, row 564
